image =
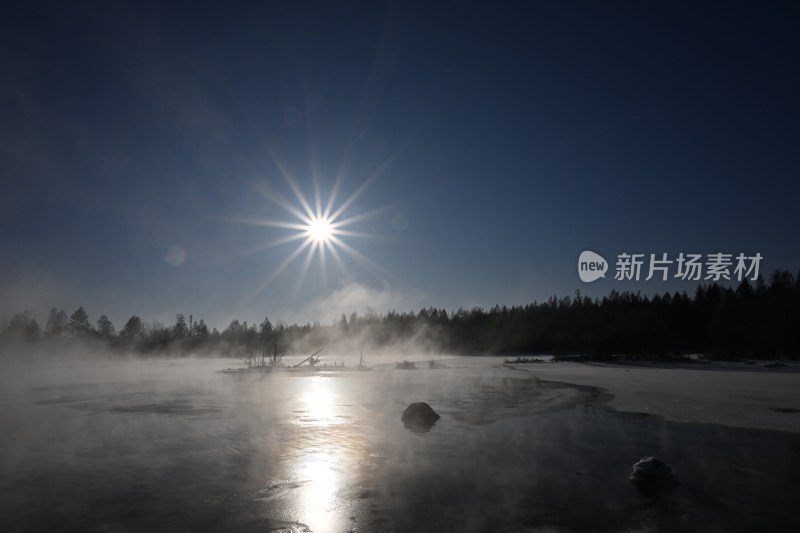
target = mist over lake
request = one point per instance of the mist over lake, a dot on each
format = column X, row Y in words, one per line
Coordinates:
column 176, row 445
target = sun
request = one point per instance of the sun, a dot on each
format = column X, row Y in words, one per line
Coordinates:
column 319, row 226
column 320, row 230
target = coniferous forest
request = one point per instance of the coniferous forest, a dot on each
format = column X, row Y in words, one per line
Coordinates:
column 758, row 320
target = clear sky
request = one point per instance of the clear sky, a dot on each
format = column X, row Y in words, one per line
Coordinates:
column 151, row 153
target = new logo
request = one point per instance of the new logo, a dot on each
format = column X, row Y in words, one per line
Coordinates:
column 591, row 266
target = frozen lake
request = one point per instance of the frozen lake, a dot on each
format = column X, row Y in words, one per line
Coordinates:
column 173, row 445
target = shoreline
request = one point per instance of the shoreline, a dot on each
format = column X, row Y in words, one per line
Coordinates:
column 733, row 395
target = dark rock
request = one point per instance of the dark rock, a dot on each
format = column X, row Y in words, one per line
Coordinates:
column 652, row 472
column 419, row 417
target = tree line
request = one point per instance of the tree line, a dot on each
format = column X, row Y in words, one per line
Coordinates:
column 760, row 320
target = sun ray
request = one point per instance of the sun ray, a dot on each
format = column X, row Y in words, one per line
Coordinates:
column 312, row 158
column 262, row 247
column 303, row 271
column 350, row 233
column 317, row 197
column 352, row 198
column 355, row 254
column 324, row 270
column 289, row 178
column 300, row 196
column 267, row 222
column 336, row 258
column 282, row 267
column 372, row 177
column 282, row 202
column 358, row 218
column 331, row 199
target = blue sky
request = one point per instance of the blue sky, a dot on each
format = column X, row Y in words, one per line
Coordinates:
column 483, row 148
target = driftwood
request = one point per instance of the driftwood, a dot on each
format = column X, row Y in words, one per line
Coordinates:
column 310, row 359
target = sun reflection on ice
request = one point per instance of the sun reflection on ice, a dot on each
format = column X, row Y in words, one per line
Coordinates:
column 318, row 403
column 326, row 451
column 318, row 500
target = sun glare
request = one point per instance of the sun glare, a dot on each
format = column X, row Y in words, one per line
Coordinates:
column 320, row 226
column 320, row 230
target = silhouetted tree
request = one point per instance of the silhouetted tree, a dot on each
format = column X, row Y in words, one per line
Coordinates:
column 22, row 327
column 56, row 325
column 199, row 329
column 180, row 329
column 266, row 332
column 104, row 327
column 132, row 330
column 79, row 322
